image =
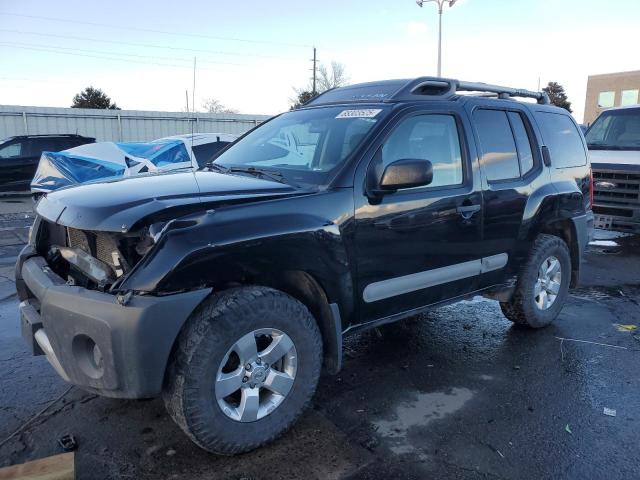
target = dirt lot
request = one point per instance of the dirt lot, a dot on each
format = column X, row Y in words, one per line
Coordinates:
column 457, row 393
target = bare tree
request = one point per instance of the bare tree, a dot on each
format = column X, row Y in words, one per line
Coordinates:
column 328, row 78
column 213, row 105
column 332, row 77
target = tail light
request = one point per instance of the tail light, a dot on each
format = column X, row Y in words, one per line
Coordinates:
column 590, row 187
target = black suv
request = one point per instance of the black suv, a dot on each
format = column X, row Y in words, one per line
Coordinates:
column 226, row 289
column 19, row 156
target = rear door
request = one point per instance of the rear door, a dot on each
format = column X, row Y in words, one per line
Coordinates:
column 510, row 164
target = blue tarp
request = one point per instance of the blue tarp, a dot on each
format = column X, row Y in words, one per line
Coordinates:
column 105, row 160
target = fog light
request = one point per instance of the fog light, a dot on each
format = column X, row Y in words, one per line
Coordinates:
column 88, row 355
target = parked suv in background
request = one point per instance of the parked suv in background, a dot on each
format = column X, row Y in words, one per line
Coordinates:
column 19, row 156
column 225, row 289
column 614, row 147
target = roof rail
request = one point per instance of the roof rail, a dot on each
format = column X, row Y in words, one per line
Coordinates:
column 433, row 88
column 447, row 87
column 503, row 92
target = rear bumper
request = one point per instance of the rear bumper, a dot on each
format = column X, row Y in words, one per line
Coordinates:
column 93, row 341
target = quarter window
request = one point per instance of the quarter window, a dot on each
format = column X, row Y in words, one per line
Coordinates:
column 499, row 155
column 428, row 137
column 563, row 140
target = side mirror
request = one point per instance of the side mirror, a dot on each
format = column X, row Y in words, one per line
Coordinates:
column 406, row 173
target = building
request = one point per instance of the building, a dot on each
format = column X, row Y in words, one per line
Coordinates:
column 119, row 125
column 610, row 90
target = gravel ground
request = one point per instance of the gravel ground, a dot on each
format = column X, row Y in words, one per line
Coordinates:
column 456, row 393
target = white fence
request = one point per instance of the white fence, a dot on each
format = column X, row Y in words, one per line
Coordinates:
column 118, row 125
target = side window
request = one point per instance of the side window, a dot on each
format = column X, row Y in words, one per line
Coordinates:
column 499, row 156
column 563, row 140
column 428, row 137
column 523, row 144
column 13, row 150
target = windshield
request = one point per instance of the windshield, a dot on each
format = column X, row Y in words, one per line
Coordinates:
column 305, row 146
column 615, row 130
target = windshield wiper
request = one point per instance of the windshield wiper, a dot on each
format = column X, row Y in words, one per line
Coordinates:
column 217, row 167
column 259, row 172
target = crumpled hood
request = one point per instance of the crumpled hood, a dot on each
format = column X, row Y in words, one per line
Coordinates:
column 117, row 205
column 615, row 157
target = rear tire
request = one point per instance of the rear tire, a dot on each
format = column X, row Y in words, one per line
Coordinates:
column 542, row 285
column 236, row 336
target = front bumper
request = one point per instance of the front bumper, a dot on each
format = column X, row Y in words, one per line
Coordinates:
column 93, row 341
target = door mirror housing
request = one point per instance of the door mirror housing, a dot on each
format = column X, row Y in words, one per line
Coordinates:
column 406, row 173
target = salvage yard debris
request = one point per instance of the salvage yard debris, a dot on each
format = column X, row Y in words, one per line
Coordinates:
column 58, row 467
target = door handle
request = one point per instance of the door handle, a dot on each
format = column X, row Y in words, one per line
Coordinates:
column 467, row 211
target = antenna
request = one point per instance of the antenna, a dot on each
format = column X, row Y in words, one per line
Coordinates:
column 193, row 105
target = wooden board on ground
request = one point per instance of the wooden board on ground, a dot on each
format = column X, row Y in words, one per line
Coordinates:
column 58, row 467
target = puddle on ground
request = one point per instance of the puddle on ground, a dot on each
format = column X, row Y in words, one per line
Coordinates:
column 419, row 411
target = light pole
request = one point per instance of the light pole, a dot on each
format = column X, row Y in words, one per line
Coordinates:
column 441, row 4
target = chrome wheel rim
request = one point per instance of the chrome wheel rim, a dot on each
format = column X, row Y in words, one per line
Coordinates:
column 548, row 283
column 256, row 375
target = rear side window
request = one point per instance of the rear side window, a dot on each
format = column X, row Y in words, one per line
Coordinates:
column 499, row 156
column 563, row 140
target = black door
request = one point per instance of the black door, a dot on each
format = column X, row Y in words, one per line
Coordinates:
column 418, row 246
column 512, row 171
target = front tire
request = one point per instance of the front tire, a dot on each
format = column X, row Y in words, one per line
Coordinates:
column 543, row 284
column 245, row 367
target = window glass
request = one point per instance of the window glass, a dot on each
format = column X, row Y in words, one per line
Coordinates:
column 428, row 137
column 615, row 130
column 563, row 140
column 606, row 99
column 13, row 150
column 629, row 97
column 305, row 146
column 499, row 157
column 522, row 142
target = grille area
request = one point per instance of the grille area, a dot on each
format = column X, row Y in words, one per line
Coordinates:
column 616, row 188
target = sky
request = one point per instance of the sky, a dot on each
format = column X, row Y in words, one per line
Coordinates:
column 252, row 55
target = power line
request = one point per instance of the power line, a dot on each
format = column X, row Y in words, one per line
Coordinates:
column 102, row 57
column 146, row 45
column 116, row 54
column 164, row 32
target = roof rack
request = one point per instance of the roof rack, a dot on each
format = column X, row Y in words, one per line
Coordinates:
column 423, row 88
column 446, row 87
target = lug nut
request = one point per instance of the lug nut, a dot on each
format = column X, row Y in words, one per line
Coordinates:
column 258, row 361
column 247, row 367
column 245, row 379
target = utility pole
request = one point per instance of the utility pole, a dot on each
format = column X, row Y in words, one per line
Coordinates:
column 186, row 95
column 315, row 61
column 441, row 4
column 193, row 92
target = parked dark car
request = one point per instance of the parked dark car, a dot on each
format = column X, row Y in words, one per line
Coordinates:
column 226, row 289
column 19, row 156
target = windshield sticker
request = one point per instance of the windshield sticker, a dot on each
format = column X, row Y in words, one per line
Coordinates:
column 363, row 113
